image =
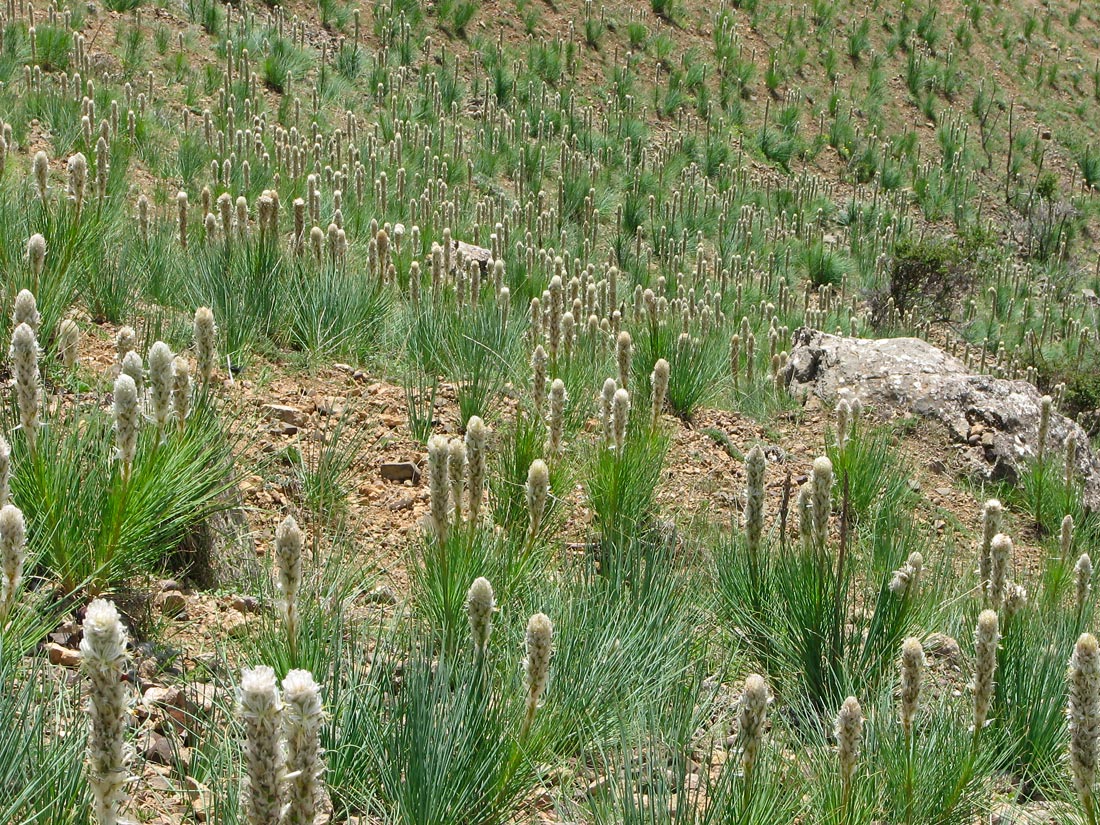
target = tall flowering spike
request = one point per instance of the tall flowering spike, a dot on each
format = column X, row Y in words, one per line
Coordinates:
column 206, row 334
column 912, row 674
column 659, row 380
column 1083, row 713
column 822, row 493
column 620, row 415
column 843, row 422
column 554, row 446
column 36, row 257
column 103, row 656
column 160, row 381
column 13, row 554
column 536, row 667
column 68, row 342
column 735, row 359
column 132, row 366
column 538, row 490
column 849, row 738
column 1082, row 574
column 986, row 637
column 752, row 712
column 439, row 488
column 477, row 436
column 26, row 307
column 28, row 384
column 624, row 350
column 5, row 471
column 181, row 390
column 456, row 473
column 1000, row 553
column 77, row 167
column 1044, row 424
column 289, row 541
column 538, row 377
column 303, row 715
column 992, row 516
column 755, row 464
column 127, row 422
column 261, row 710
column 607, row 397
column 480, row 603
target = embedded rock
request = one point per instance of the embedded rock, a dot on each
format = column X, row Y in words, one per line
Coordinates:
column 994, row 417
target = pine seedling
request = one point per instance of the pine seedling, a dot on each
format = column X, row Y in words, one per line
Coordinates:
column 260, row 710
column 477, row 436
column 181, row 390
column 822, row 481
column 303, row 716
column 13, row 555
column 439, row 488
column 161, row 366
column 28, row 383
column 755, row 464
column 127, row 422
column 68, row 343
column 1083, row 715
column 26, row 307
column 752, row 712
column 536, row 667
column 456, row 473
column 538, row 490
column 607, row 397
column 1082, row 575
column 849, row 740
column 986, row 637
column 289, row 542
column 206, row 353
column 992, row 516
column 620, row 415
column 659, row 381
column 480, row 605
column 1000, row 553
column 103, row 658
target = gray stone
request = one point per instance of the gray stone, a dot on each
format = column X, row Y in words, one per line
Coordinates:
column 908, row 375
column 401, row 471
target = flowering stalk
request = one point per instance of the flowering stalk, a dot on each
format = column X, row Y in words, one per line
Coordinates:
column 822, row 499
column 103, row 656
column 986, row 637
column 161, row 364
column 127, row 422
column 659, row 380
column 620, row 414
